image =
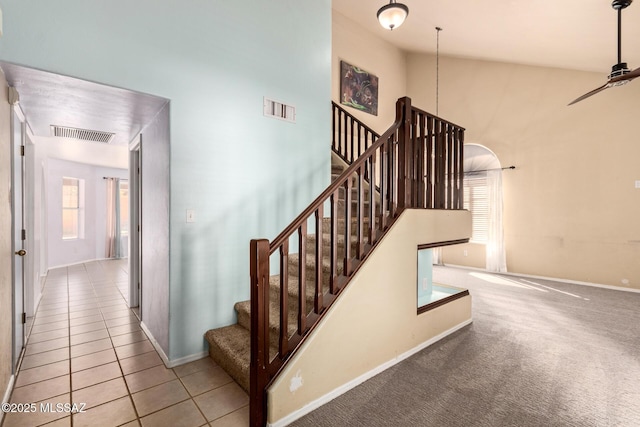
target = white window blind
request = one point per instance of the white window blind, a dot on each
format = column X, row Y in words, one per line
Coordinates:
column 476, row 200
column 72, row 208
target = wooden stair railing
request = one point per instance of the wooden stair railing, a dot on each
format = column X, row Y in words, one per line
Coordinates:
column 350, row 137
column 416, row 163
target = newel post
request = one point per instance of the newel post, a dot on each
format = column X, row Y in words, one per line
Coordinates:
column 259, row 273
column 404, row 155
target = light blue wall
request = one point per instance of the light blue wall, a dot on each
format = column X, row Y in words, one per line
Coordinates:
column 245, row 175
column 425, row 274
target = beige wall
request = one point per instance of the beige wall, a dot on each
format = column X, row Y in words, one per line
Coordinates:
column 5, row 240
column 570, row 208
column 373, row 323
column 467, row 255
column 359, row 47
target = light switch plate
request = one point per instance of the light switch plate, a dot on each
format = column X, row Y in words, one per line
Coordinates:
column 191, row 215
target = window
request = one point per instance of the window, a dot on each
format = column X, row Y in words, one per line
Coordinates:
column 476, row 200
column 124, row 207
column 72, row 208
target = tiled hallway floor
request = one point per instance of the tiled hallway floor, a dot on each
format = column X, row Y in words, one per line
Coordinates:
column 86, row 347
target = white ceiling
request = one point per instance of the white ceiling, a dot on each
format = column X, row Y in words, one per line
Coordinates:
column 572, row 34
column 52, row 99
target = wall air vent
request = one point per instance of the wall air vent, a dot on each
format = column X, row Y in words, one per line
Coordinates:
column 279, row 110
column 83, row 134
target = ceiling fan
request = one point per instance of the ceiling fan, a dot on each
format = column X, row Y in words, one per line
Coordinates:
column 620, row 74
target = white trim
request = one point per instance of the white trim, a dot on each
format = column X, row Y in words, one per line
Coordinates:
column 186, row 359
column 554, row 279
column 175, row 362
column 155, row 343
column 9, row 389
column 362, row 378
column 7, row 394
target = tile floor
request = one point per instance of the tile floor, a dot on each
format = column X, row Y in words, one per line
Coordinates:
column 86, row 347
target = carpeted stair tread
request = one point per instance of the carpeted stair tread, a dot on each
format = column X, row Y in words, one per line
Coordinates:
column 243, row 309
column 230, row 348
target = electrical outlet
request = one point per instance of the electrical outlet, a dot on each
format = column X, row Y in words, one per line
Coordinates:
column 425, row 284
column 638, row 183
column 465, row 253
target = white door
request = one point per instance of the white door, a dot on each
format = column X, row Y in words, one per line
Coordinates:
column 19, row 234
column 135, row 229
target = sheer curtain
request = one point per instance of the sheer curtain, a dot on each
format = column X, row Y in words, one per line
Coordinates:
column 437, row 256
column 496, row 258
column 113, row 219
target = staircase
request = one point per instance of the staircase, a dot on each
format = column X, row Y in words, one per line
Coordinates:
column 230, row 346
column 415, row 164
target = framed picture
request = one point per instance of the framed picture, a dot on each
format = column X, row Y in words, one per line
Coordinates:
column 358, row 88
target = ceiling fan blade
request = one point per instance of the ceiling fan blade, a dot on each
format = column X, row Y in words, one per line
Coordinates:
column 588, row 94
column 626, row 77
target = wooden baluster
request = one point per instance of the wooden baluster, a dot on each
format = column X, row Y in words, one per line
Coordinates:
column 421, row 163
column 393, row 179
column 340, row 139
column 283, row 347
column 259, row 273
column 429, row 172
column 455, row 149
column 450, row 176
column 352, row 139
column 360, row 150
column 372, row 197
column 333, row 243
column 319, row 292
column 302, row 276
column 360, row 213
column 413, row 163
column 346, row 271
column 333, row 126
column 384, row 188
column 440, row 166
column 461, row 170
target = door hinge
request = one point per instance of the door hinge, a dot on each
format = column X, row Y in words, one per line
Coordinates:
column 24, row 318
column 22, row 150
column 138, row 285
column 24, row 234
column 138, row 228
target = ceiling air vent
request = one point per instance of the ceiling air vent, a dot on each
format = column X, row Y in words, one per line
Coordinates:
column 83, row 134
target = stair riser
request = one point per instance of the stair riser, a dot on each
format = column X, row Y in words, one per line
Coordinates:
column 341, row 225
column 226, row 362
column 244, row 320
column 326, row 248
column 311, row 270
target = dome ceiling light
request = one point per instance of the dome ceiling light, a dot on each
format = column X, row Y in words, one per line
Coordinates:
column 392, row 15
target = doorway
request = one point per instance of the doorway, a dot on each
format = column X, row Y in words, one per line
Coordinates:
column 19, row 246
column 120, row 116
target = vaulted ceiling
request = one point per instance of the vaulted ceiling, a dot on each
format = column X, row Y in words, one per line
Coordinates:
column 572, row 34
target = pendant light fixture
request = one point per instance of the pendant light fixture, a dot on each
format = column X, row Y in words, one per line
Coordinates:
column 392, row 15
column 438, row 29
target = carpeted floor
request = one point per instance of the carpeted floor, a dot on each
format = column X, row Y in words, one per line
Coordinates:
column 539, row 353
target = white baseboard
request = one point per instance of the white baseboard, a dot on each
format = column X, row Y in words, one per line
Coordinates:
column 362, row 378
column 7, row 394
column 83, row 262
column 9, row 389
column 155, row 344
column 186, row 359
column 554, row 279
column 175, row 362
